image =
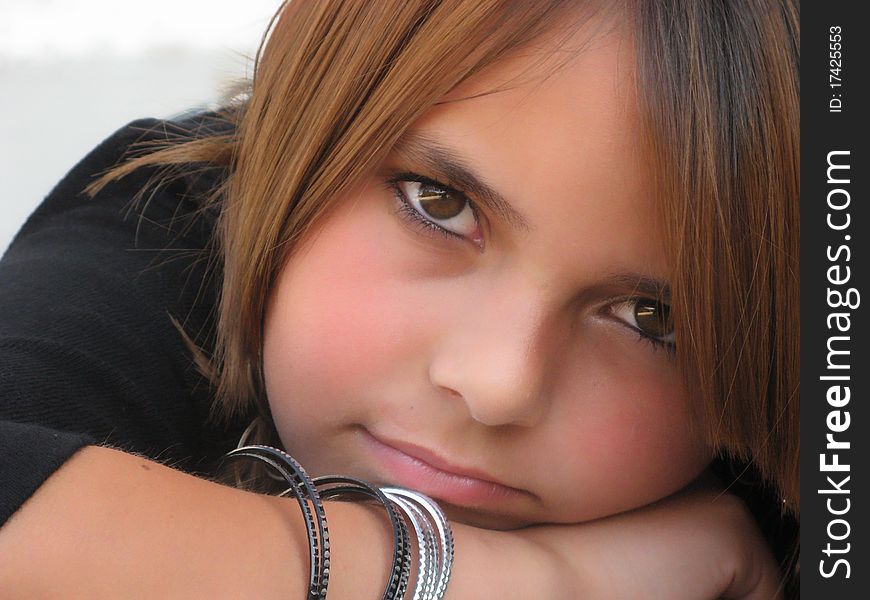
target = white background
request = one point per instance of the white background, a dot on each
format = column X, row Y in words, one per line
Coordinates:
column 74, row 71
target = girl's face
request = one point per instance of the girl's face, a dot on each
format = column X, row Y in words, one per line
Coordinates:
column 515, row 368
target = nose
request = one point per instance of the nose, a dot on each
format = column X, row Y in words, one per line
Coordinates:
column 494, row 360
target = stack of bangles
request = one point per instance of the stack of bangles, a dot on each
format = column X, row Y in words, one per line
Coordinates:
column 403, row 506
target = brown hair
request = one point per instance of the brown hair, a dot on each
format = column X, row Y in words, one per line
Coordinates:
column 721, row 80
column 336, row 84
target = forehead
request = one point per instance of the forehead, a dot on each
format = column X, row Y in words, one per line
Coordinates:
column 564, row 149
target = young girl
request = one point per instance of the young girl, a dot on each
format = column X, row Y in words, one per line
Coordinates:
column 537, row 261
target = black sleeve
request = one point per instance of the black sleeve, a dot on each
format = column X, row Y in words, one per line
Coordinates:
column 89, row 353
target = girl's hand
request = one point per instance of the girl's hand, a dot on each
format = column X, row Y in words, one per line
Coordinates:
column 700, row 544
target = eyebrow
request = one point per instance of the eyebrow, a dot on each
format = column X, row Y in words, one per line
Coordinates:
column 451, row 166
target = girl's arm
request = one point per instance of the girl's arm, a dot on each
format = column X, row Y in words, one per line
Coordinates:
column 113, row 525
column 699, row 544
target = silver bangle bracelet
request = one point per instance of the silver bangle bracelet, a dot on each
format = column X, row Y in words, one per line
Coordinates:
column 426, row 546
column 437, row 522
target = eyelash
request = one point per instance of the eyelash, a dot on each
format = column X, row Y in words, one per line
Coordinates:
column 669, row 347
column 411, row 215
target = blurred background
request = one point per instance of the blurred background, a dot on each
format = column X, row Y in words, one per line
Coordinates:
column 74, row 71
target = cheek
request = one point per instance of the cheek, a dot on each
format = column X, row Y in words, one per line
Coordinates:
column 631, row 441
column 649, row 441
column 330, row 328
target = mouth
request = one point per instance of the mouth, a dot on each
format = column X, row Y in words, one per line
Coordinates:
column 421, row 469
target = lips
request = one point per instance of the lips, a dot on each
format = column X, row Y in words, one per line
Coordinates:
column 421, row 469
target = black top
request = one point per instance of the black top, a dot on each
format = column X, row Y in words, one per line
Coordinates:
column 89, row 353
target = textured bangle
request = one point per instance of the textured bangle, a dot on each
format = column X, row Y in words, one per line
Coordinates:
column 426, row 544
column 442, row 565
column 305, row 492
column 434, row 535
column 340, row 488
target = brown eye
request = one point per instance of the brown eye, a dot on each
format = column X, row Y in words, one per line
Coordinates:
column 650, row 318
column 439, row 206
column 653, row 318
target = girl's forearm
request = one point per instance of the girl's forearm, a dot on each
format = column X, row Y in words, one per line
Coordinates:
column 112, row 525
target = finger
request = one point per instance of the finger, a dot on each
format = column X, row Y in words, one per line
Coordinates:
column 761, row 580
